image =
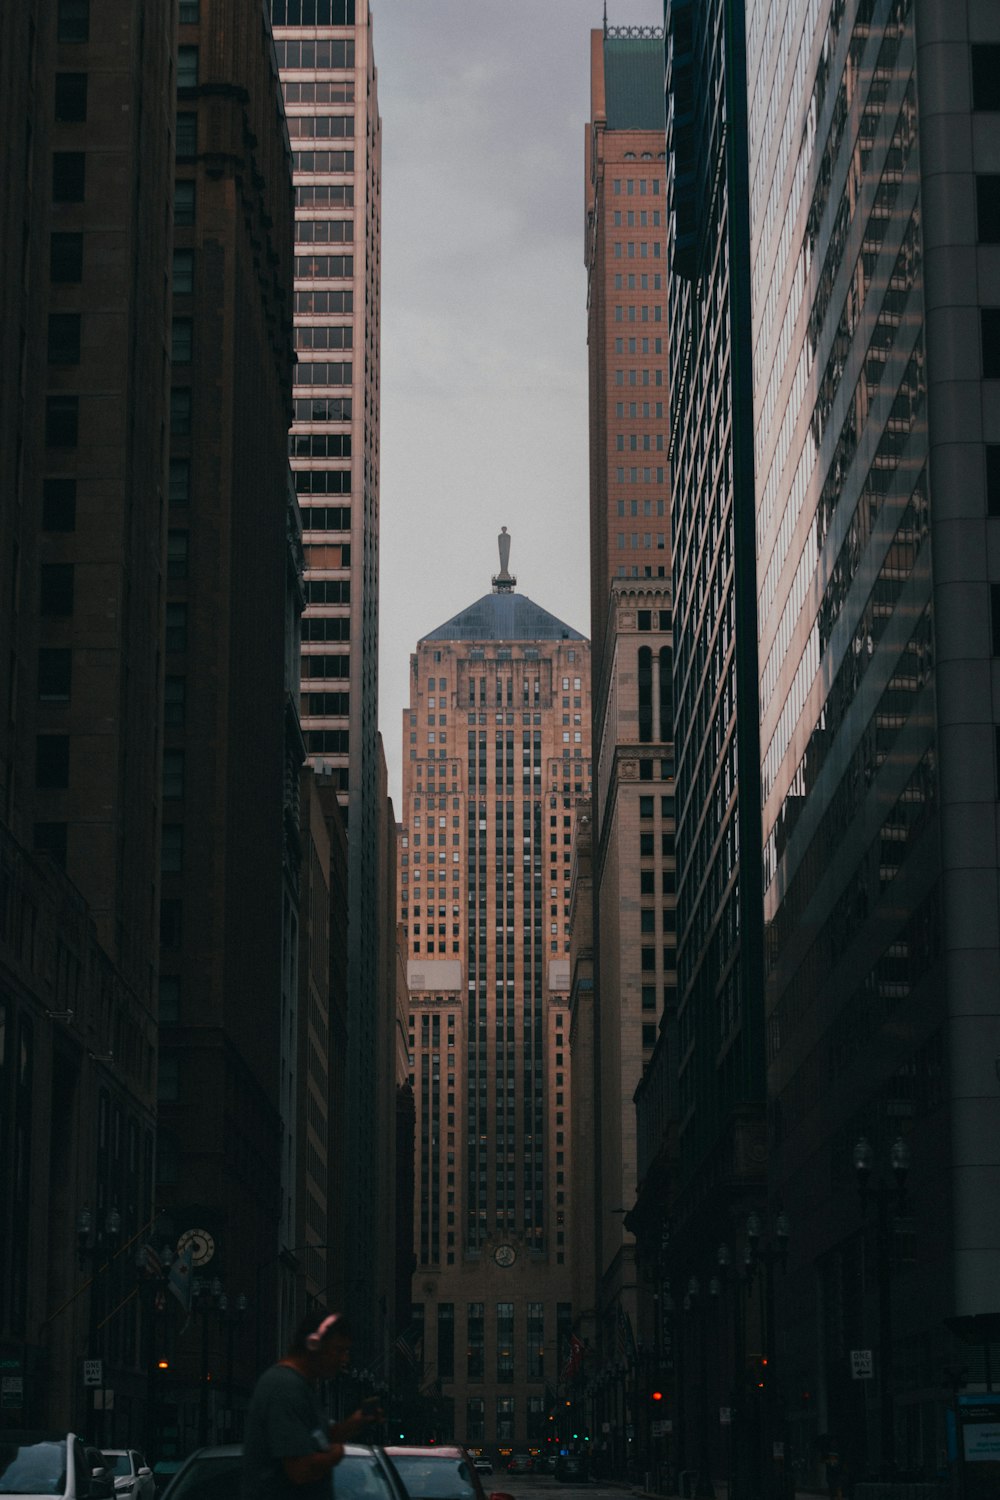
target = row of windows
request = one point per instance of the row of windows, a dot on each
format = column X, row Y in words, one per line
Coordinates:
column 632, row 186
column 323, row 55
column 322, row 481
column 319, row 445
column 322, row 161
column 319, row 127
column 324, row 231
column 312, row 12
column 339, row 91
column 310, row 266
column 323, row 409
column 321, row 372
column 326, row 518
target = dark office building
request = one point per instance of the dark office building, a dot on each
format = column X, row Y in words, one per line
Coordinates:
column 875, row 219
column 230, row 843
column 326, row 56
column 84, row 320
column 721, row 1075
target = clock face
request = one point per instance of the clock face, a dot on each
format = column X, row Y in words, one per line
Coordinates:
column 504, row 1255
column 202, row 1244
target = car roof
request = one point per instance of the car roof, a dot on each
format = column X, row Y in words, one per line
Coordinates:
column 437, row 1450
column 235, row 1450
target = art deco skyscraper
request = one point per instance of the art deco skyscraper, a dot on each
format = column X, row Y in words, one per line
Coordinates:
column 496, row 746
column 331, row 100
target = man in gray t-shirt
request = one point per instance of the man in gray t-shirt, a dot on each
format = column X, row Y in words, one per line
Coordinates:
column 290, row 1448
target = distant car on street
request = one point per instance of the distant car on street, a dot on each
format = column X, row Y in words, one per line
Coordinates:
column 520, row 1463
column 131, row 1473
column 572, row 1468
column 547, row 1463
column 482, row 1465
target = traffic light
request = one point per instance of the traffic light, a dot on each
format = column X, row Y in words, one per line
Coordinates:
column 757, row 1372
column 656, row 1399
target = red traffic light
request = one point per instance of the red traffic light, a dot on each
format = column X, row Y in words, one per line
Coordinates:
column 656, row 1395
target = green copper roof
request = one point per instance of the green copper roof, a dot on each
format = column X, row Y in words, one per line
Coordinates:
column 633, row 82
column 504, row 617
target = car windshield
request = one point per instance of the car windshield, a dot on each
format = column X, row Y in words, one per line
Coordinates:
column 32, row 1469
column 210, row 1477
column 436, row 1478
column 359, row 1476
column 118, row 1464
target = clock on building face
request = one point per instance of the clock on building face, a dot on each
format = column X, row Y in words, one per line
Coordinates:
column 505, row 1255
column 202, row 1244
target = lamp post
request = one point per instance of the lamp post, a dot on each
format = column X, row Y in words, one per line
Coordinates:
column 768, row 1250
column 206, row 1297
column 95, row 1241
column 889, row 1202
column 232, row 1314
column 153, row 1272
column 694, row 1303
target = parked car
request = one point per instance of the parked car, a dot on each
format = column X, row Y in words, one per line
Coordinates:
column 36, row 1466
column 217, row 1473
column 520, row 1463
column 131, row 1473
column 163, row 1471
column 482, row 1465
column 547, row 1463
column 444, row 1472
column 572, row 1468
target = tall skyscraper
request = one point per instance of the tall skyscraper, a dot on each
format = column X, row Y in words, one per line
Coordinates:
column 496, row 758
column 331, row 101
column 230, row 846
column 875, row 217
column 720, row 1006
column 85, row 218
column 721, row 1171
column 634, row 954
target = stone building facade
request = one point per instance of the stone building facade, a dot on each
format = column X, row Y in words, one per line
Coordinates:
column 496, row 759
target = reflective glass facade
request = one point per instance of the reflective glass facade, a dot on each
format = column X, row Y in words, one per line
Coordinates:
column 877, row 755
column 720, row 1016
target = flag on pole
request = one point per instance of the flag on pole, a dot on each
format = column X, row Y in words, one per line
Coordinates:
column 180, row 1277
column 574, row 1357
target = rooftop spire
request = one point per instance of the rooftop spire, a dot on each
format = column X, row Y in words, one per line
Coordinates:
column 504, row 581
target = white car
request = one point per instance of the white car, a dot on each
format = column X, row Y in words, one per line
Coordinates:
column 131, row 1473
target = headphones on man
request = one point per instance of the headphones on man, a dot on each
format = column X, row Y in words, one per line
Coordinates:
column 315, row 1339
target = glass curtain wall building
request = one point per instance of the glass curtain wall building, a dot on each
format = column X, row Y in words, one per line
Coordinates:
column 719, row 965
column 331, row 102
column 874, row 128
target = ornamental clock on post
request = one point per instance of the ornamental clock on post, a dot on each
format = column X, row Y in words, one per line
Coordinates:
column 202, row 1246
column 505, row 1255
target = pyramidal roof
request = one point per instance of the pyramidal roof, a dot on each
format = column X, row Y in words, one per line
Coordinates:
column 504, row 615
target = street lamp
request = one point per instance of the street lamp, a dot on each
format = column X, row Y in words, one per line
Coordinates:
column 96, row 1242
column 693, row 1302
column 889, row 1201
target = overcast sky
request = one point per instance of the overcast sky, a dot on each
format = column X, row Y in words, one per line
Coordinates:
column 484, row 335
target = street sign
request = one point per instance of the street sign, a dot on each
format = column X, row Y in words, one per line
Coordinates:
column 11, row 1392
column 659, row 1429
column 777, row 1449
column 725, row 1415
column 862, row 1366
column 92, row 1372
